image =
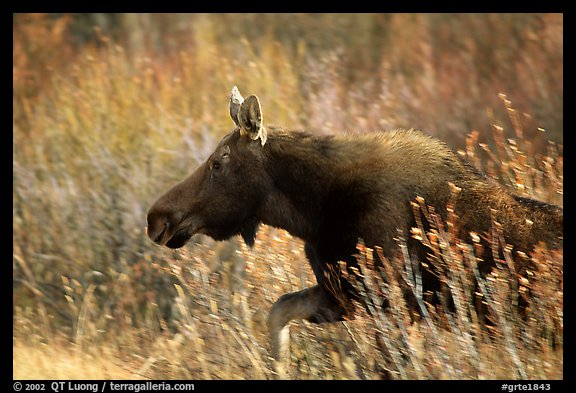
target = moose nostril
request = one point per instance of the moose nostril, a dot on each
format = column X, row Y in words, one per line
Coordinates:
column 162, row 225
column 158, row 238
column 158, row 225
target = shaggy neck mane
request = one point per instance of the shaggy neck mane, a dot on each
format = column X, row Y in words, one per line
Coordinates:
column 306, row 172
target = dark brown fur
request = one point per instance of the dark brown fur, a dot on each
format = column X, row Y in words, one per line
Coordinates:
column 332, row 191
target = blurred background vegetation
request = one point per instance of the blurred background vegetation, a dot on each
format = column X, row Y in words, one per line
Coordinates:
column 109, row 110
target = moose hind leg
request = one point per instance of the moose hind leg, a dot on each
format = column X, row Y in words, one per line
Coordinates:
column 312, row 304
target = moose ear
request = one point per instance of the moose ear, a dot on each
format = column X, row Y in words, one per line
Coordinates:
column 236, row 100
column 250, row 119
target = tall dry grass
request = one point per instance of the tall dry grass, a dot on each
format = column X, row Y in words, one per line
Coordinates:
column 105, row 120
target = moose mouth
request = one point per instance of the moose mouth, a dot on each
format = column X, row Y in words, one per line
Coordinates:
column 180, row 238
column 175, row 237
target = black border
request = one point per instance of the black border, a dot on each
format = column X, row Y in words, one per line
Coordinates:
column 373, row 6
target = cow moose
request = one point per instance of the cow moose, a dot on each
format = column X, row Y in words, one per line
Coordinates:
column 331, row 191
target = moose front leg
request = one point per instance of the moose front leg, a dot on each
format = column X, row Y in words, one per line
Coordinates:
column 312, row 304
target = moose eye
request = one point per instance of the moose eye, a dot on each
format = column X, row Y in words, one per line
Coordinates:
column 216, row 165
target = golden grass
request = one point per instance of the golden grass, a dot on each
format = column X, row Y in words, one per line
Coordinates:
column 219, row 331
column 310, row 360
column 62, row 361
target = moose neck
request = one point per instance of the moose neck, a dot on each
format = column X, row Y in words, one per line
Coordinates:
column 303, row 174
